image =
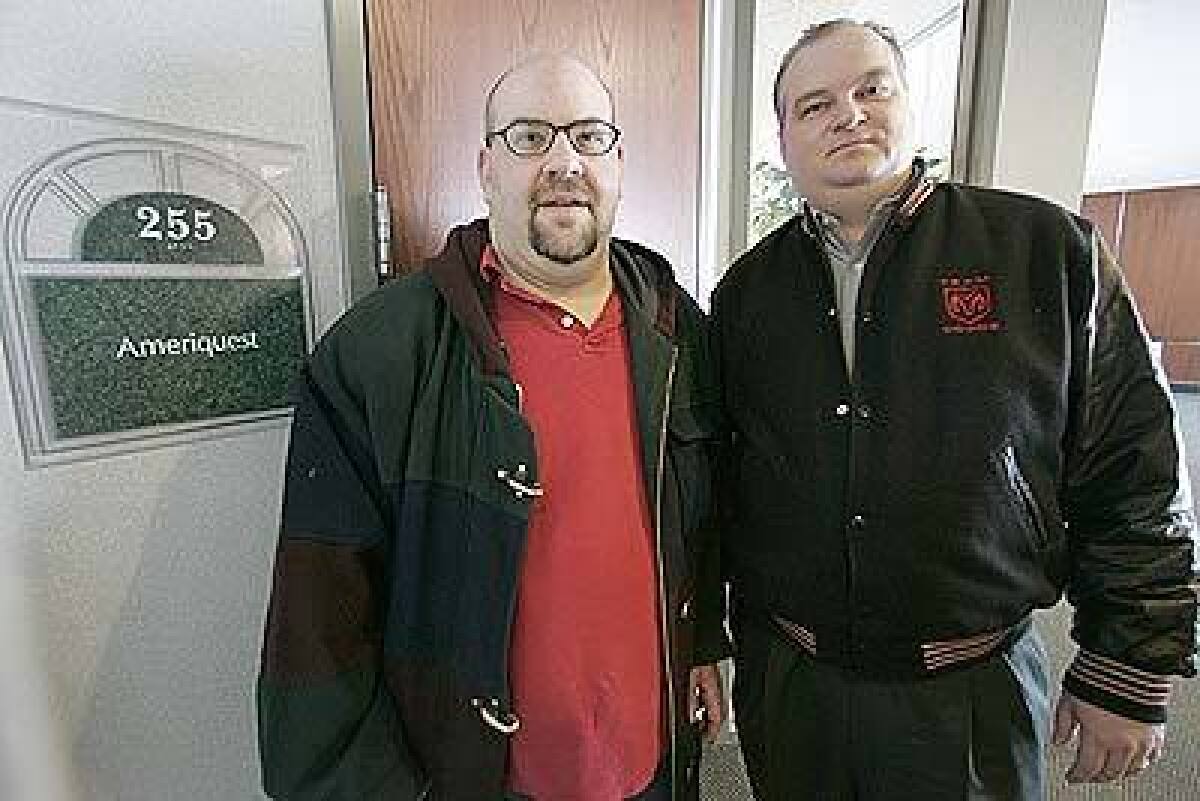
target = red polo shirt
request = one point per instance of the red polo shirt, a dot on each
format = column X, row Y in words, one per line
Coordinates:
column 585, row 660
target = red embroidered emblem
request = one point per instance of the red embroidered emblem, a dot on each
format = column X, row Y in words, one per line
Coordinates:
column 969, row 305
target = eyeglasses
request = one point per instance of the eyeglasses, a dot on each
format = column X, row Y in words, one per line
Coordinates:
column 535, row 137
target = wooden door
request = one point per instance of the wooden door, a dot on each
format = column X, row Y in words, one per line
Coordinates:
column 1161, row 245
column 431, row 64
column 1105, row 210
column 1153, row 232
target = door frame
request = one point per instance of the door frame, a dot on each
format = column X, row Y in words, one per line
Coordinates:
column 350, row 94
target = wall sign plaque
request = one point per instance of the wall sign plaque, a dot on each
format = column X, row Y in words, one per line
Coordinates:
column 153, row 287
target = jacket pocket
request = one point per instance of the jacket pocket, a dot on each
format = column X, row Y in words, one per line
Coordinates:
column 691, row 437
column 1021, row 493
column 504, row 468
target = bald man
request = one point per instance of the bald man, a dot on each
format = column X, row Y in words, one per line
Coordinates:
column 493, row 578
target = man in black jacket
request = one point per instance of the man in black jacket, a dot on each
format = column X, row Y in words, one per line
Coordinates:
column 944, row 414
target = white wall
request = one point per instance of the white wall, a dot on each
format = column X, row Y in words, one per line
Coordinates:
column 1144, row 130
column 1046, row 97
column 148, row 572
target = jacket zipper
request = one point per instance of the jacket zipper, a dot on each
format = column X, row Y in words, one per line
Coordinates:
column 665, row 622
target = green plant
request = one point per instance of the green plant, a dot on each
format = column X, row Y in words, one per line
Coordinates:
column 773, row 199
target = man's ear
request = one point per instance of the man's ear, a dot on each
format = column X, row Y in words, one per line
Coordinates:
column 484, row 170
column 620, row 171
column 779, row 137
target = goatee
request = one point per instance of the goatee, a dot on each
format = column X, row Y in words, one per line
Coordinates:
column 568, row 248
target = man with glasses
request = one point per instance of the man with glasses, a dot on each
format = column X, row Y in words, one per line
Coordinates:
column 493, row 577
column 945, row 413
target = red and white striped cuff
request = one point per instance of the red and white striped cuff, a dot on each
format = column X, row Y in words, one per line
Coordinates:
column 1118, row 687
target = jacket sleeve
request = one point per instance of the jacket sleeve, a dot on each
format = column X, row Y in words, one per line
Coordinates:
column 712, row 643
column 1126, row 501
column 328, row 726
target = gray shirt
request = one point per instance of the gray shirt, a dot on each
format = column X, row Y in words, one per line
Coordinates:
column 846, row 262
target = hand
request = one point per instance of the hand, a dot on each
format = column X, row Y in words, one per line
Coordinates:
column 706, row 700
column 1111, row 747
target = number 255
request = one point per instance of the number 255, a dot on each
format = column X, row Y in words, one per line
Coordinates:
column 178, row 227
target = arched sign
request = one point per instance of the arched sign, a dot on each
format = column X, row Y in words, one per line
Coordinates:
column 153, row 287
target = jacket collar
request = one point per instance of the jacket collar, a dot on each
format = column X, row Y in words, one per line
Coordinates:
column 643, row 277
column 904, row 202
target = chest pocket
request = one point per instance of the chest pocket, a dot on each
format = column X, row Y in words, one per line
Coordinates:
column 504, row 463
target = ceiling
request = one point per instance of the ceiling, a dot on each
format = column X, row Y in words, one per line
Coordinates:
column 905, row 17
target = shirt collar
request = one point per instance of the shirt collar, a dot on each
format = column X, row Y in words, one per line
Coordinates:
column 612, row 316
column 493, row 273
column 825, row 226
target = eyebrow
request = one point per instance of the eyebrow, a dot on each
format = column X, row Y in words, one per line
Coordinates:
column 813, row 94
column 539, row 120
column 878, row 72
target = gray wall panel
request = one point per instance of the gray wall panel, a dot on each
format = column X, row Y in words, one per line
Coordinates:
column 148, row 572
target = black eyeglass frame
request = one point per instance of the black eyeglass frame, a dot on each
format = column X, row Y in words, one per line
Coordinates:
column 555, row 130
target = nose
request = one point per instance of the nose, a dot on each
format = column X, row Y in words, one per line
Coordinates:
column 851, row 114
column 561, row 160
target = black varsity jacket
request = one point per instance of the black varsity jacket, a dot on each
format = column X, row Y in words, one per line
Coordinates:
column 1005, row 437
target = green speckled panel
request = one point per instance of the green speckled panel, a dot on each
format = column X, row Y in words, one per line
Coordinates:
column 122, row 354
column 168, row 228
